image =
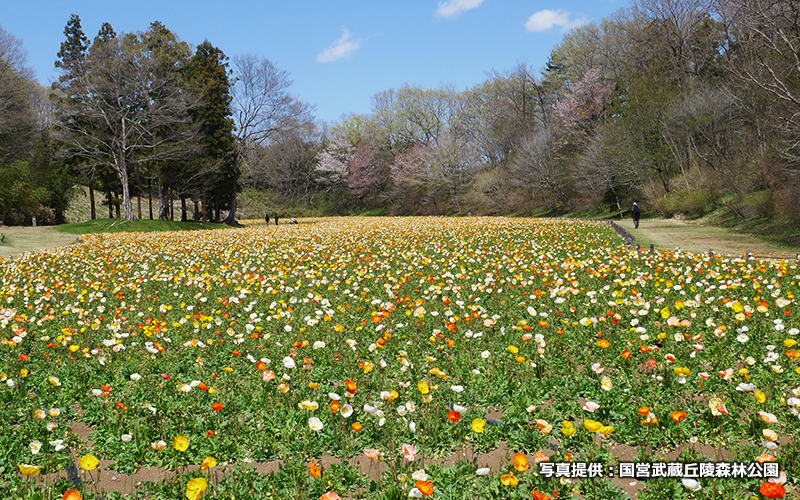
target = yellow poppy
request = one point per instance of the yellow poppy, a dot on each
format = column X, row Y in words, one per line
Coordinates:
column 509, row 479
column 29, row 470
column 208, row 463
column 592, row 425
column 89, row 462
column 181, row 443
column 478, row 425
column 195, row 487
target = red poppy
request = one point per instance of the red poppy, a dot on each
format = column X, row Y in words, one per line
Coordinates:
column 454, row 416
column 210, row 433
column 203, row 386
column 217, row 406
column 772, row 490
column 626, row 354
column 236, row 353
column 24, row 357
column 121, row 406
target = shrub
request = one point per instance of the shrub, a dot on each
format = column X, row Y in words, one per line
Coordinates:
column 692, row 203
column 760, row 204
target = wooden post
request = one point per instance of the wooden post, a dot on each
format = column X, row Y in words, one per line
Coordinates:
column 652, row 249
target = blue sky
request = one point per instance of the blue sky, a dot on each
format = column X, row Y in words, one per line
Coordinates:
column 339, row 53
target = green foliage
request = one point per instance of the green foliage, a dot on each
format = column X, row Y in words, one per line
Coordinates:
column 22, row 197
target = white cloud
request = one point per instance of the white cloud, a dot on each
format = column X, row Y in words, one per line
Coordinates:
column 452, row 8
column 546, row 19
column 341, row 48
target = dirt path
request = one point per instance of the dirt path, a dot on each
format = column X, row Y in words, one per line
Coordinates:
column 694, row 237
column 26, row 239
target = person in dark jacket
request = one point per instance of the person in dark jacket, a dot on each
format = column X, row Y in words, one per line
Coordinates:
column 266, row 218
column 637, row 213
column 276, row 219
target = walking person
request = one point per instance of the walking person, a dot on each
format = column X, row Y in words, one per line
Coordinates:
column 276, row 219
column 266, row 218
column 637, row 213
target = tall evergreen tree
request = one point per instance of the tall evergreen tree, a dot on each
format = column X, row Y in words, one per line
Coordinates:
column 207, row 74
column 72, row 55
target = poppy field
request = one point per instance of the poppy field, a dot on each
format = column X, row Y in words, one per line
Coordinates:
column 387, row 358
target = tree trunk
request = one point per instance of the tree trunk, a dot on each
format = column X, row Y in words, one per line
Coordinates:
column 231, row 220
column 216, row 209
column 150, row 196
column 171, row 207
column 195, row 210
column 183, row 209
column 110, row 201
column 163, row 200
column 91, row 202
column 139, row 193
column 205, row 208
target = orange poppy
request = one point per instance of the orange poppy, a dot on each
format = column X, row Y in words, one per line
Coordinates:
column 454, row 416
column 644, row 411
column 351, row 386
column 331, row 495
column 772, row 490
column 677, row 416
column 538, row 495
column 603, row 343
column 521, row 462
column 121, row 406
column 314, row 469
column 335, row 405
column 203, row 386
column 426, row 487
column 356, row 426
column 72, row 494
column 626, row 354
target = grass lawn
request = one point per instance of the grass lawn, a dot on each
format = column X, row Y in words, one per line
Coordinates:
column 140, row 226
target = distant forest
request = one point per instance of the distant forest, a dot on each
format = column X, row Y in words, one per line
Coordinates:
column 686, row 106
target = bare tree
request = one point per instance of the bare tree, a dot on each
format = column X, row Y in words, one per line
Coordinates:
column 262, row 108
column 534, row 167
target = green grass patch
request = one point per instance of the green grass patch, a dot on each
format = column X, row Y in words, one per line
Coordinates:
column 135, row 226
column 774, row 230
